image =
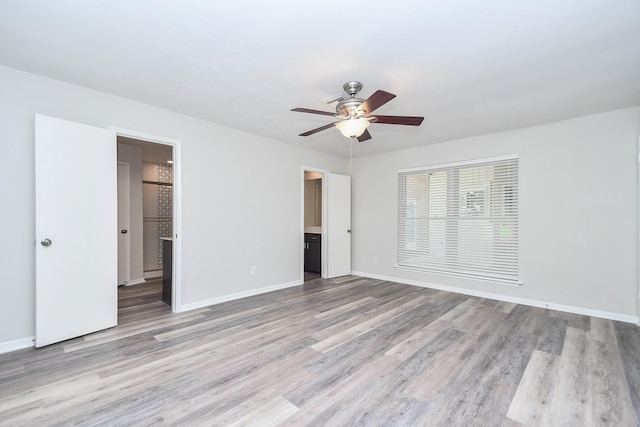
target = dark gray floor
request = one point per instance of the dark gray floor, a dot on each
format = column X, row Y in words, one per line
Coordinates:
column 344, row 352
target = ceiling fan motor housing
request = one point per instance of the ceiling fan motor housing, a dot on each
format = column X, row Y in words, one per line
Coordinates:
column 348, row 108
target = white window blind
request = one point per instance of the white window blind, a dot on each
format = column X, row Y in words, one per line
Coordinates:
column 460, row 219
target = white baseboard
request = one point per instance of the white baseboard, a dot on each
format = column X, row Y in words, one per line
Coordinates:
column 136, row 281
column 152, row 274
column 231, row 297
column 524, row 301
column 6, row 347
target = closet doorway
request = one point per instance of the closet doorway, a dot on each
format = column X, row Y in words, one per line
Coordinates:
column 147, row 234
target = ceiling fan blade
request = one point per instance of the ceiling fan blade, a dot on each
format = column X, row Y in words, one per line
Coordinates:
column 365, row 136
column 378, row 99
column 400, row 120
column 316, row 130
column 334, row 98
column 308, row 110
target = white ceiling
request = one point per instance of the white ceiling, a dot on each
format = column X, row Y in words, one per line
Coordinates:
column 470, row 67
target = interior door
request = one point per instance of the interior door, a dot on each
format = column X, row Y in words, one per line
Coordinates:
column 124, row 239
column 76, row 229
column 338, row 225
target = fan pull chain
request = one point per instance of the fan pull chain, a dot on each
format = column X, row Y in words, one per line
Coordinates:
column 353, row 141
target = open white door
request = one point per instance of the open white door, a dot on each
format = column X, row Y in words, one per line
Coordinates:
column 338, row 225
column 76, row 230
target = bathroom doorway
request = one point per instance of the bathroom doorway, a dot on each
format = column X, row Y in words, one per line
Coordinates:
column 313, row 184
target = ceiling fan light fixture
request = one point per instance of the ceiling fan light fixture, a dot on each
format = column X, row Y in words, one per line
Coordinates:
column 353, row 127
column 355, row 115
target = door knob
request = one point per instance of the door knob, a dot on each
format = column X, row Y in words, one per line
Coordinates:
column 124, row 231
column 46, row 242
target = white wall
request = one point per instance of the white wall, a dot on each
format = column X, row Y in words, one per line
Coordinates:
column 133, row 156
column 578, row 211
column 241, row 195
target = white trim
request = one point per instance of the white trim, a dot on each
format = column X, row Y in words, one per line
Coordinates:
column 136, row 281
column 144, row 136
column 486, row 279
column 176, row 280
column 638, row 235
column 127, row 198
column 22, row 343
column 238, row 295
column 523, row 301
column 461, row 163
column 152, row 274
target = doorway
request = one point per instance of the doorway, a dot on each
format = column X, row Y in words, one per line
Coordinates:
column 334, row 232
column 149, row 238
column 313, row 220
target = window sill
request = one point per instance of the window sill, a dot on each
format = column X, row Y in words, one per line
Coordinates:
column 485, row 279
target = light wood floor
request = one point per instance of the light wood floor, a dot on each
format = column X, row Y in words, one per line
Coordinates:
column 345, row 352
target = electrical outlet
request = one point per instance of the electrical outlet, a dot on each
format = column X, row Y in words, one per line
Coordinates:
column 375, row 259
column 253, row 269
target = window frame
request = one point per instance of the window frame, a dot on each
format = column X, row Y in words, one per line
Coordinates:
column 488, row 263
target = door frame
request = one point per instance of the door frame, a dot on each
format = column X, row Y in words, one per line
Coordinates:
column 638, row 256
column 127, row 246
column 176, row 282
column 323, row 248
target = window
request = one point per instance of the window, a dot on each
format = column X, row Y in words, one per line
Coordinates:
column 460, row 219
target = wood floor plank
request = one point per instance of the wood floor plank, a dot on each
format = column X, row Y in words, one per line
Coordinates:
column 358, row 316
column 126, row 383
column 611, row 399
column 238, row 389
column 344, row 308
column 602, row 330
column 391, row 390
column 628, row 340
column 578, row 321
column 344, row 397
column 462, row 309
column 47, row 395
column 572, row 398
column 406, row 348
column 273, row 412
column 111, row 335
column 550, row 333
column 484, row 389
column 348, row 360
column 535, row 387
column 455, row 366
column 505, row 307
column 363, row 327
